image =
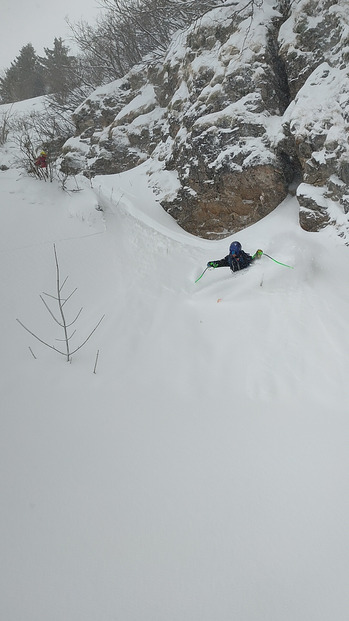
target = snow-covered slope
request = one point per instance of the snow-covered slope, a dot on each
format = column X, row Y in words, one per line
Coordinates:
column 201, row 473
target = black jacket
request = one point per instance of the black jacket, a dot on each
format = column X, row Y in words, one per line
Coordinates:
column 235, row 263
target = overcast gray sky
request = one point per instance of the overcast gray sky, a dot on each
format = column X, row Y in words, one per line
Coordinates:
column 38, row 22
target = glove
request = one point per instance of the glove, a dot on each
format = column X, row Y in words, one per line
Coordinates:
column 258, row 254
column 212, row 264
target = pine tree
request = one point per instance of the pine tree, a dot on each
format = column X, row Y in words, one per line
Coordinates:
column 58, row 69
column 8, row 85
column 23, row 79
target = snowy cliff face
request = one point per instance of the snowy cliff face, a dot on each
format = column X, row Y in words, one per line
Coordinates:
column 314, row 45
column 248, row 101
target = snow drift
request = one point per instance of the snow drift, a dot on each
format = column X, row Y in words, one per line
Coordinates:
column 201, row 473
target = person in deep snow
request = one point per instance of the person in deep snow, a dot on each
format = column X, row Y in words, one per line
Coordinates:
column 237, row 259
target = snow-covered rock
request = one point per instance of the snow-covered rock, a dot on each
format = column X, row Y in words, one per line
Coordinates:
column 314, row 45
column 249, row 99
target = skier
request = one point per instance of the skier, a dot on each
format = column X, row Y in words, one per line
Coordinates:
column 237, row 259
column 41, row 161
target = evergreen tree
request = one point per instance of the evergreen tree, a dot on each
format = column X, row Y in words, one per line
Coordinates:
column 8, row 85
column 24, row 78
column 59, row 71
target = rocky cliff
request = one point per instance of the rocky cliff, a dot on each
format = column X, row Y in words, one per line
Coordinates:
column 250, row 101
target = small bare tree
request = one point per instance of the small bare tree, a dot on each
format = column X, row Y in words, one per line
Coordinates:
column 5, row 125
column 127, row 32
column 60, row 317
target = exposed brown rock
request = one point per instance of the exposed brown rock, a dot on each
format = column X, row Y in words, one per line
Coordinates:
column 234, row 202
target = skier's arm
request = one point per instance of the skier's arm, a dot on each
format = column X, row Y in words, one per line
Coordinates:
column 219, row 263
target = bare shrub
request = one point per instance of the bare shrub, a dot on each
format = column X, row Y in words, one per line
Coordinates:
column 128, row 31
column 5, row 118
column 47, row 130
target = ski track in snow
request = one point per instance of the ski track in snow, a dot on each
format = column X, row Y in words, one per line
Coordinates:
column 202, row 472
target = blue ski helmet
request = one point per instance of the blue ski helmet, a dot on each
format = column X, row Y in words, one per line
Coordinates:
column 235, row 247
